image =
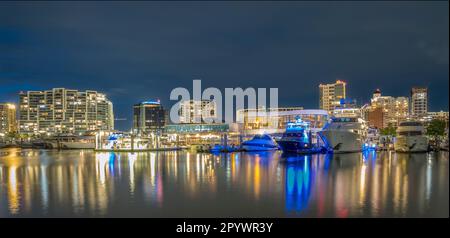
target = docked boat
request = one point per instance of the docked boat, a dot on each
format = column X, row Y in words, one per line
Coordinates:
column 70, row 142
column 346, row 131
column 297, row 138
column 410, row 137
column 260, row 143
column 372, row 140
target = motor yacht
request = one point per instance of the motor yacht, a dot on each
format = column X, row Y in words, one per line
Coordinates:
column 345, row 132
column 410, row 137
column 260, row 143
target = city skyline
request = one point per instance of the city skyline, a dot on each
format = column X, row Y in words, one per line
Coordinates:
column 133, row 126
column 224, row 109
column 135, row 52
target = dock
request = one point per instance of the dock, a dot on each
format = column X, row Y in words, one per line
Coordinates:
column 141, row 150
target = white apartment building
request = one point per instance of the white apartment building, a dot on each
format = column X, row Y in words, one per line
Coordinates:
column 196, row 111
column 61, row 110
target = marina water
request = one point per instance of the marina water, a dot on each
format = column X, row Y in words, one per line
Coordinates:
column 83, row 183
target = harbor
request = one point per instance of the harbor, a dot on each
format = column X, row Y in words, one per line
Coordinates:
column 343, row 131
column 283, row 109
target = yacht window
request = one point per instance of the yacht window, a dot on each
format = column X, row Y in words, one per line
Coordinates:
column 410, row 133
column 410, row 123
column 343, row 119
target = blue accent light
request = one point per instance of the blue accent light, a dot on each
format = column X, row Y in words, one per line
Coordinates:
column 298, row 186
column 152, row 102
column 112, row 158
column 114, row 137
column 367, row 146
column 298, row 125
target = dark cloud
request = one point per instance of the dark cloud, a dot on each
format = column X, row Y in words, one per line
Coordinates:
column 142, row 50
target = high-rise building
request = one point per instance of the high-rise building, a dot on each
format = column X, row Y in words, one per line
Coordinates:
column 419, row 101
column 392, row 109
column 192, row 111
column 149, row 116
column 61, row 110
column 331, row 95
column 8, row 121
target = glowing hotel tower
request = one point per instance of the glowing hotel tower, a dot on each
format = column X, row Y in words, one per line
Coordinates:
column 419, row 101
column 390, row 110
column 67, row 111
column 331, row 95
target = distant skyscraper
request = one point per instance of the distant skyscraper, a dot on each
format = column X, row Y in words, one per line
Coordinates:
column 196, row 111
column 393, row 109
column 331, row 95
column 419, row 101
column 7, row 118
column 148, row 117
column 61, row 110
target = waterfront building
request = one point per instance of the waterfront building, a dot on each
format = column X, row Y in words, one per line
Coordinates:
column 8, row 122
column 441, row 115
column 67, row 111
column 419, row 101
column 197, row 128
column 331, row 94
column 148, row 117
column 274, row 120
column 199, row 133
column 196, row 111
column 385, row 110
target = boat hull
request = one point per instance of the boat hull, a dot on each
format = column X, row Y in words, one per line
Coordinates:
column 292, row 146
column 259, row 148
column 411, row 144
column 343, row 141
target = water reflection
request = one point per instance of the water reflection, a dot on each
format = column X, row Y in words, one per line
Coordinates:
column 182, row 184
column 298, row 182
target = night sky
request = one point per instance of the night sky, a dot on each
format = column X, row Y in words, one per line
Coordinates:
column 142, row 50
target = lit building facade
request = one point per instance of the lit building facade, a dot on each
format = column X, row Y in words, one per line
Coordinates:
column 330, row 95
column 148, row 117
column 392, row 109
column 8, row 123
column 419, row 102
column 199, row 133
column 441, row 115
column 67, row 111
column 274, row 120
column 196, row 111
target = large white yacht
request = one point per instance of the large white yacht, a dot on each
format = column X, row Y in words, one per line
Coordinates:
column 410, row 137
column 345, row 132
column 260, row 143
